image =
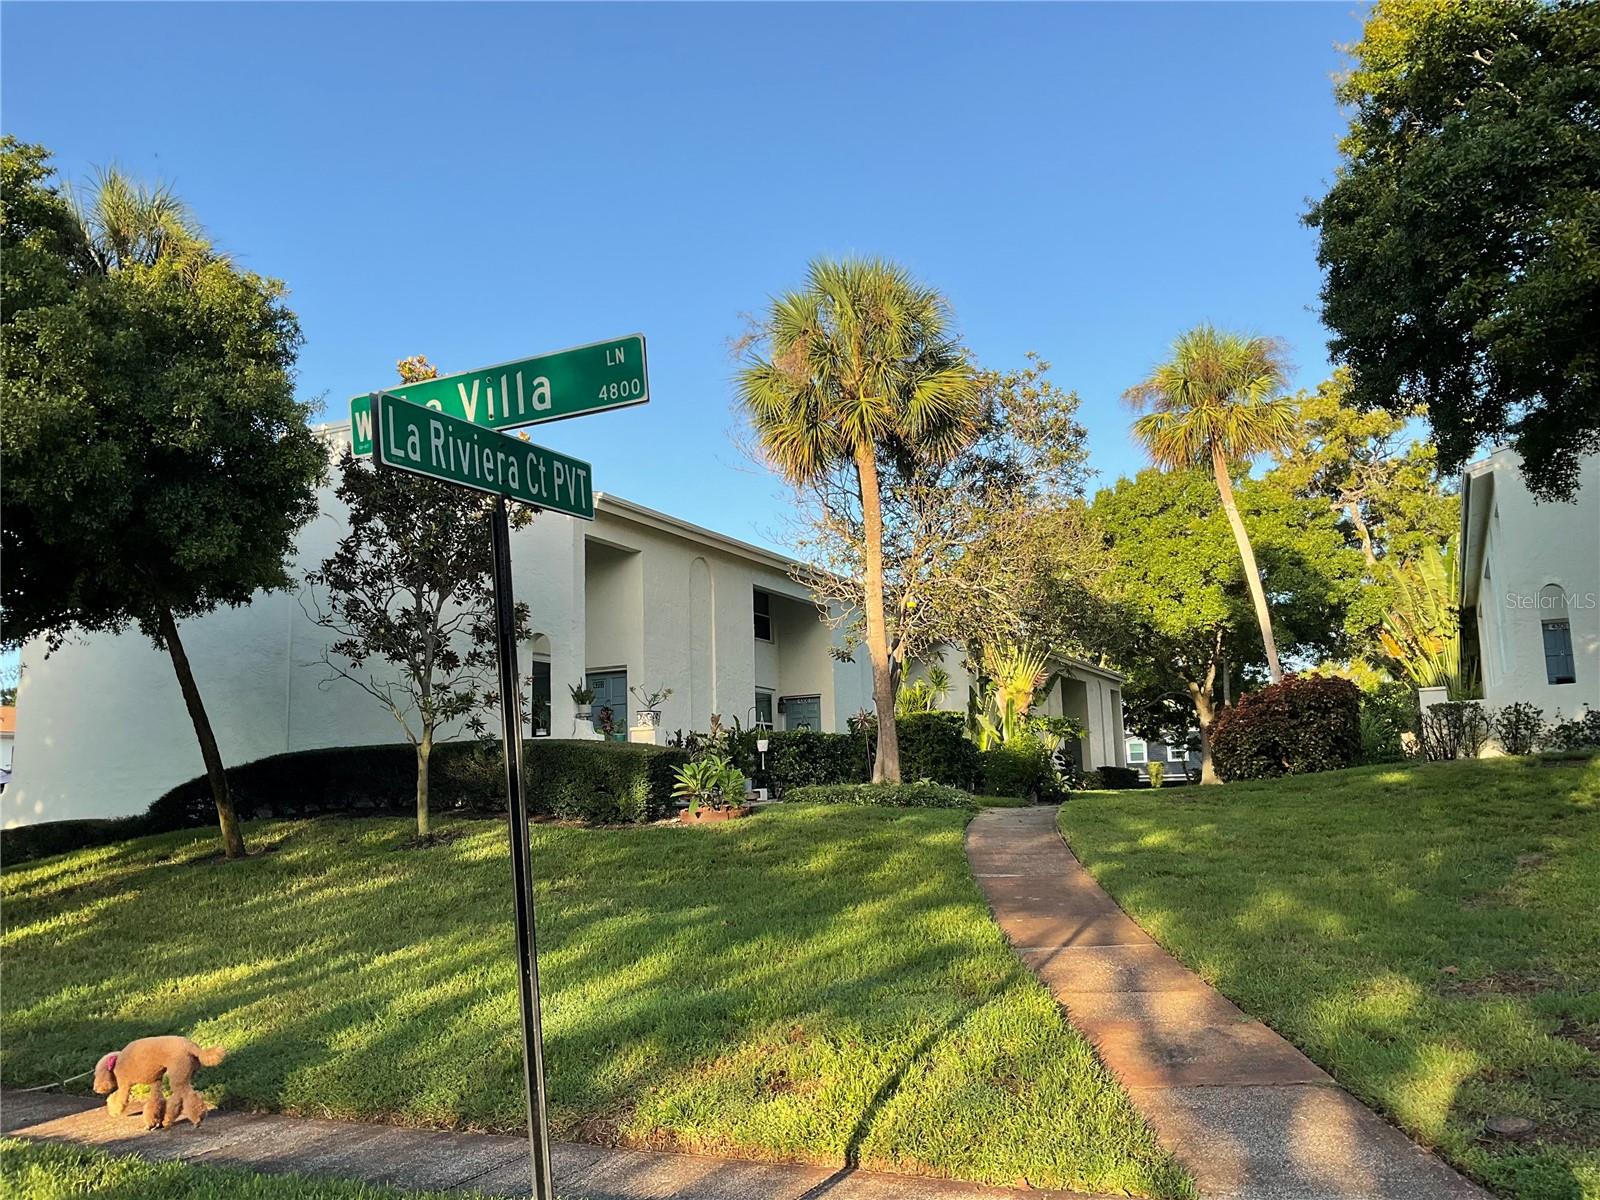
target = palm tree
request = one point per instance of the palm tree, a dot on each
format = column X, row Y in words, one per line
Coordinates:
column 861, row 362
column 1218, row 401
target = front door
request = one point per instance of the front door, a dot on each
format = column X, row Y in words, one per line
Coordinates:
column 610, row 690
column 802, row 712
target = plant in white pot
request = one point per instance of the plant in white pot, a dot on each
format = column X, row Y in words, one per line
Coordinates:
column 649, row 711
column 582, row 698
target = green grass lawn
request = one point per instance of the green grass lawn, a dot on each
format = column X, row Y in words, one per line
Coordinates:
column 819, row 983
column 1429, row 934
column 37, row 1171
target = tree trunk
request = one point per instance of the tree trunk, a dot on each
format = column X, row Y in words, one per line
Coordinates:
column 886, row 765
column 227, row 821
column 1252, row 574
column 1206, row 712
column 424, row 749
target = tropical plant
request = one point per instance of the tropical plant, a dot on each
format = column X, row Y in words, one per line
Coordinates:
column 582, row 694
column 1012, row 676
column 858, row 366
column 157, row 465
column 1216, row 403
column 923, row 695
column 711, row 781
column 1421, row 633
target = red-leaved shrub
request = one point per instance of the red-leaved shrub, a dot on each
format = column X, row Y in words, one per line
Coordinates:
column 1306, row 723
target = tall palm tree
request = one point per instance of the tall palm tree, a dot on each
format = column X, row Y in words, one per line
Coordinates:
column 1219, row 401
column 861, row 362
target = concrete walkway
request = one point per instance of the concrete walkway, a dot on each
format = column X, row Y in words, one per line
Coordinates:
column 1249, row 1115
column 425, row 1159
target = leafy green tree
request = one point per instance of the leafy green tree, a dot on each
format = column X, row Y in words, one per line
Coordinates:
column 156, row 462
column 1215, row 403
column 1383, row 482
column 858, row 369
column 1461, row 238
column 1187, row 616
column 411, row 586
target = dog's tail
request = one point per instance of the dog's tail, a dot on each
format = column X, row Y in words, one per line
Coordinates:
column 208, row 1056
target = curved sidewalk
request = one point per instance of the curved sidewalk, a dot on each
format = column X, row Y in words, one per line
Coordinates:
column 1249, row 1115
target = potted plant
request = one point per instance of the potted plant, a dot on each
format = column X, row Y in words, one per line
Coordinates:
column 649, row 710
column 606, row 722
column 583, row 697
column 714, row 788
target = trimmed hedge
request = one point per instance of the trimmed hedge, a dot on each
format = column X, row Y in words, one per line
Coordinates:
column 935, row 746
column 1020, row 770
column 886, row 795
column 588, row 781
column 1304, row 724
column 1116, row 779
column 804, row 757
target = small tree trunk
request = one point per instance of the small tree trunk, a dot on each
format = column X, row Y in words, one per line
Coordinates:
column 227, row 821
column 1206, row 713
column 1352, row 509
column 424, row 749
column 886, row 765
column 1252, row 574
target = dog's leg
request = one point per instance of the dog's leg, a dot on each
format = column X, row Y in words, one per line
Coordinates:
column 154, row 1107
column 117, row 1102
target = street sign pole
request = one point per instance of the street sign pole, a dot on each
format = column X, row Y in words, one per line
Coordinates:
column 521, row 856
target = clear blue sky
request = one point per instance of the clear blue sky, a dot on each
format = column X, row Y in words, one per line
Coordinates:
column 479, row 182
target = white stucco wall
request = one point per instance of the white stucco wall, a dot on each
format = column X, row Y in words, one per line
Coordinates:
column 1514, row 548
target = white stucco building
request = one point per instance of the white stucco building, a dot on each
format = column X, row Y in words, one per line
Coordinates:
column 1530, row 587
column 635, row 598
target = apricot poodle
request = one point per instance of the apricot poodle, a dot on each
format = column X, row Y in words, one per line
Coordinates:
column 146, row 1060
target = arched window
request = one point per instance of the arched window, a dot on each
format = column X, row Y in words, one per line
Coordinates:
column 539, row 686
column 1559, row 666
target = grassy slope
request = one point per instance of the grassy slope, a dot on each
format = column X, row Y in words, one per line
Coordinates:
column 1429, row 934
column 817, row 983
column 36, row 1171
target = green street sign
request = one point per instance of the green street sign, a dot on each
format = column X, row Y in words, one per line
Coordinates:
column 433, row 444
column 550, row 387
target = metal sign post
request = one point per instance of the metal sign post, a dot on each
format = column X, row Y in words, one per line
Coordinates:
column 445, row 429
column 505, row 626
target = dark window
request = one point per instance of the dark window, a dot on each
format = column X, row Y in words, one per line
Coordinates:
column 763, row 710
column 539, row 697
column 763, row 616
column 1558, row 664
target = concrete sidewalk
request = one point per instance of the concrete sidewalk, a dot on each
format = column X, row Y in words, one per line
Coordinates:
column 1249, row 1115
column 423, row 1159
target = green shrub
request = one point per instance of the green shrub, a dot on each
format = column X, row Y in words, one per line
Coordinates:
column 1305, row 723
column 1112, row 779
column 1518, row 727
column 889, row 795
column 935, row 746
column 1388, row 712
column 1022, row 768
column 1569, row 737
column 1454, row 729
column 1157, row 771
column 598, row 782
column 802, row 757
